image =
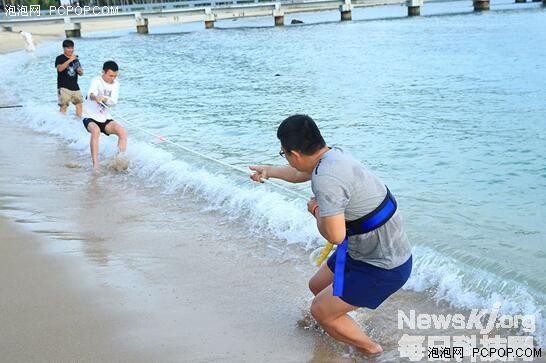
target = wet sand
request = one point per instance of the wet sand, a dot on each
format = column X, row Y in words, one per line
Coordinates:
column 51, row 311
column 111, row 272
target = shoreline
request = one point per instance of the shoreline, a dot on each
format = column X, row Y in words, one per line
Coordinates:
column 11, row 41
column 144, row 249
column 163, row 299
column 153, row 280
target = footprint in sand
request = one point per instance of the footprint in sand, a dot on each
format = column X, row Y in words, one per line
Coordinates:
column 307, row 322
column 72, row 165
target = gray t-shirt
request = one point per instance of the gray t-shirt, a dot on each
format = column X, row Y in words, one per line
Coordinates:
column 341, row 184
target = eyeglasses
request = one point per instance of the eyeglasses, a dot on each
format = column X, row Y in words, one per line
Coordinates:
column 282, row 153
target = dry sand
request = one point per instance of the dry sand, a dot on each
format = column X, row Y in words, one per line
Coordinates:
column 12, row 40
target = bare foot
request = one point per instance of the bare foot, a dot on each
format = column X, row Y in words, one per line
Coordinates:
column 370, row 349
column 97, row 170
column 118, row 163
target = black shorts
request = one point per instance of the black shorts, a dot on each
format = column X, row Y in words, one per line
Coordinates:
column 101, row 125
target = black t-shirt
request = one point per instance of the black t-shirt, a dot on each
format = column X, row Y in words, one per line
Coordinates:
column 69, row 77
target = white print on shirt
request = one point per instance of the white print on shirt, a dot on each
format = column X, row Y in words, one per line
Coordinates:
column 99, row 88
column 71, row 71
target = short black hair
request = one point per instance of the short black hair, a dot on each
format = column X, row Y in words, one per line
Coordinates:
column 67, row 43
column 300, row 133
column 110, row 65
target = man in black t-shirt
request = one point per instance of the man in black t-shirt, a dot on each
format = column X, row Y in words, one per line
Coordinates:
column 68, row 68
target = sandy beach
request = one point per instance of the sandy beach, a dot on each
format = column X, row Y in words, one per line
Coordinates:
column 12, row 40
column 100, row 286
column 155, row 264
column 90, row 296
column 95, row 268
column 50, row 310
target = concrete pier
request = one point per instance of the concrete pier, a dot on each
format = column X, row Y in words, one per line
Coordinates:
column 480, row 5
column 209, row 14
column 346, row 11
column 278, row 14
column 414, row 10
column 209, row 18
column 414, row 7
column 72, row 30
column 141, row 24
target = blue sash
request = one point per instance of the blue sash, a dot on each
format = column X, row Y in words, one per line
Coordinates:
column 339, row 275
column 378, row 217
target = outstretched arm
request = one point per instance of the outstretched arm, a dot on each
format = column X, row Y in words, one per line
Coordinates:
column 286, row 173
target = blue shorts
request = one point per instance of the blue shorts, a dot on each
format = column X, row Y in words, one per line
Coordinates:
column 368, row 285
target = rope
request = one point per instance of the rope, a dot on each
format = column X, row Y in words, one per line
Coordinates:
column 13, row 106
column 325, row 250
column 164, row 139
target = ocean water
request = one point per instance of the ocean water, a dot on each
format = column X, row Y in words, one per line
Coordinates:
column 449, row 110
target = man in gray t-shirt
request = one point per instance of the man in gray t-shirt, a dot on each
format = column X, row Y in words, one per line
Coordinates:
column 378, row 259
column 342, row 184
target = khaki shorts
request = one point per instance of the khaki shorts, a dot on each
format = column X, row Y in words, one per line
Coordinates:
column 67, row 96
